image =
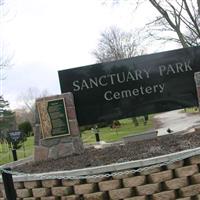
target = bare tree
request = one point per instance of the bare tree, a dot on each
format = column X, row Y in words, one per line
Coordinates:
column 178, row 21
column 116, row 44
column 198, row 3
column 28, row 100
column 5, row 61
column 7, row 117
column 5, row 56
column 181, row 18
column 8, row 10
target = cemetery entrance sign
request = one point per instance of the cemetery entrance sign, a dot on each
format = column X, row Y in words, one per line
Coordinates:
column 134, row 86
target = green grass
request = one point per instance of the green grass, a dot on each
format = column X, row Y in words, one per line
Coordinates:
column 108, row 134
column 6, row 154
column 191, row 110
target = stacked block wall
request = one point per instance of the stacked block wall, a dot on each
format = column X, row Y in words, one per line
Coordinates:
column 180, row 180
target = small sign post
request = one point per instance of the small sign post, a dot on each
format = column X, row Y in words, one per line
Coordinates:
column 95, row 130
column 14, row 137
column 14, row 153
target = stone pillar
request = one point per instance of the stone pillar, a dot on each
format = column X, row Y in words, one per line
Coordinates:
column 197, row 81
column 37, row 133
column 56, row 137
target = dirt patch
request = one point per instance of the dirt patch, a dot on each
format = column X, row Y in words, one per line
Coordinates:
column 118, row 153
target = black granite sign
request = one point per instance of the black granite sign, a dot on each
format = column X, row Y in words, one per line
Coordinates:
column 57, row 114
column 132, row 87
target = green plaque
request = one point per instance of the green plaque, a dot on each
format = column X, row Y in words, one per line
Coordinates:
column 58, row 117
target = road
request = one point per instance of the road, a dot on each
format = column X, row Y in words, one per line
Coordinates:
column 176, row 120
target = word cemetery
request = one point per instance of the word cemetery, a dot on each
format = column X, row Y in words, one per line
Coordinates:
column 134, row 86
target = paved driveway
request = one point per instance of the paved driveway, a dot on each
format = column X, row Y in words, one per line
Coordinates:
column 176, row 120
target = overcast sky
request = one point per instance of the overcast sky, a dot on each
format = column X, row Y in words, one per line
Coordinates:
column 47, row 35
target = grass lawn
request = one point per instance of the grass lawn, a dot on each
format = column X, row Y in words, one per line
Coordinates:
column 191, row 110
column 108, row 134
column 6, row 154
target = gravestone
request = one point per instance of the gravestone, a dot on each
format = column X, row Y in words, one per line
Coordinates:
column 57, row 132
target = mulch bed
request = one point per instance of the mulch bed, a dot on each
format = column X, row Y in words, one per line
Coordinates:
column 117, row 153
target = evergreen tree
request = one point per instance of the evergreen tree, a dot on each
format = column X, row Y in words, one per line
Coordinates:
column 7, row 118
column 26, row 128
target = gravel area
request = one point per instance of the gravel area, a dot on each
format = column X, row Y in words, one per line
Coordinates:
column 117, row 153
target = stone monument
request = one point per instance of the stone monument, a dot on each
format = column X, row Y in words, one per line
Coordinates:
column 57, row 132
column 197, row 81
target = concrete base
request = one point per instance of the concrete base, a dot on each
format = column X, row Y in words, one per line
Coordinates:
column 140, row 137
column 53, row 148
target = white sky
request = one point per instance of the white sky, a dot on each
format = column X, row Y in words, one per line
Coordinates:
column 48, row 35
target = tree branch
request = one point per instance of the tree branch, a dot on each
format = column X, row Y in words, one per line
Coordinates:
column 191, row 17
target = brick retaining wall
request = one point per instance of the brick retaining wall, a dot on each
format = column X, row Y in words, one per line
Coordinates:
column 178, row 180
